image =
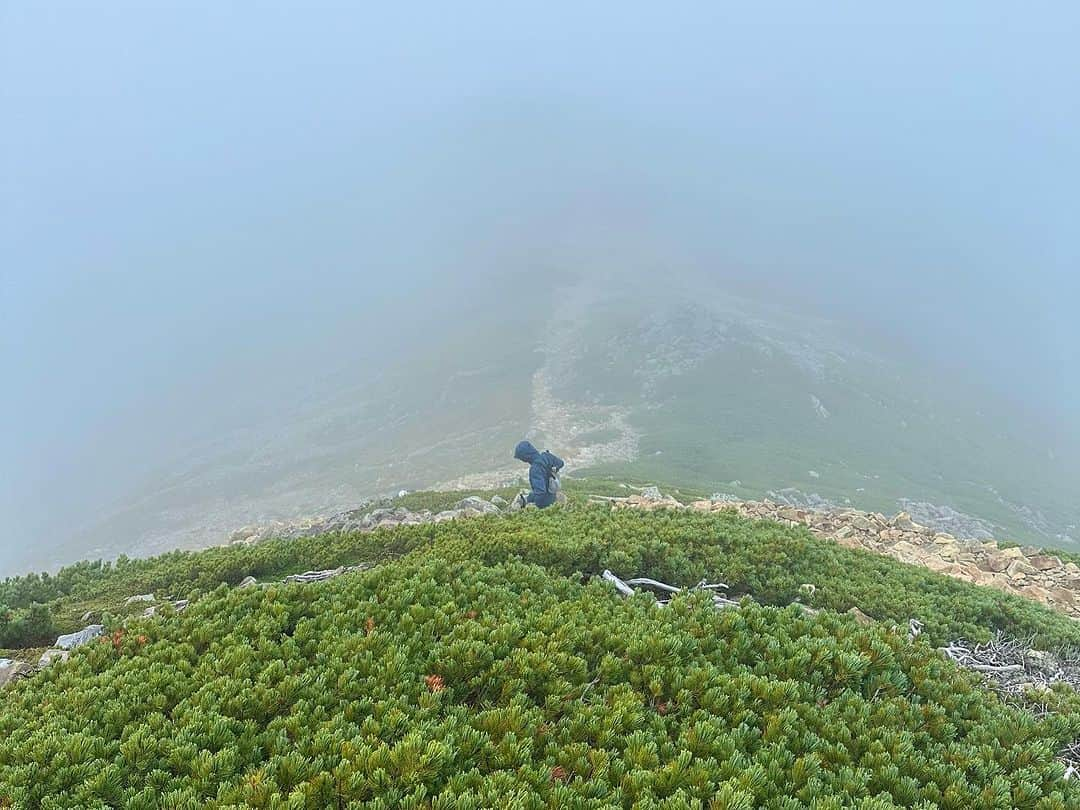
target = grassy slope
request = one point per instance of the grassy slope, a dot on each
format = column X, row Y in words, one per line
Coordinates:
column 556, row 691
column 741, row 410
column 101, row 589
column 765, row 560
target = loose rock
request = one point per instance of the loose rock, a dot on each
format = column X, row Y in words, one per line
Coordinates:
column 72, row 640
column 50, row 657
column 477, row 505
column 859, row 616
column 11, row 671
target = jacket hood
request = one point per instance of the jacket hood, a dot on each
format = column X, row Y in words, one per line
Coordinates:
column 526, row 452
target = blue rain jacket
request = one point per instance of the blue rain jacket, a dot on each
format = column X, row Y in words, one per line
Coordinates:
column 541, row 467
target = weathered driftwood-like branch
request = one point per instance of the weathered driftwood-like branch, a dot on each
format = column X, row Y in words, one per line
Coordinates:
column 1016, row 670
column 620, row 586
column 626, row 588
column 319, row 576
column 704, row 585
column 652, row 583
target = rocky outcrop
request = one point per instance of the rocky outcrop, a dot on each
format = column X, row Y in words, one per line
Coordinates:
column 362, row 520
column 178, row 605
column 65, row 644
column 649, row 499
column 72, row 640
column 947, row 519
column 790, row 496
column 1026, row 572
column 476, row 506
column 11, row 671
column 50, row 657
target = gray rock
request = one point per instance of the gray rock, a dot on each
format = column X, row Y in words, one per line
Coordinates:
column 13, row 670
column 859, row 616
column 862, row 524
column 652, row 494
column 903, row 522
column 178, row 605
column 790, row 496
column 377, row 516
column 723, row 497
column 247, row 582
column 449, row 514
column 1044, row 562
column 72, row 640
column 478, row 505
column 140, row 597
column 947, row 519
column 499, row 501
column 50, row 657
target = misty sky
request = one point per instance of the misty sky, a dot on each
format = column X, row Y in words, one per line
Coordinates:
column 209, row 208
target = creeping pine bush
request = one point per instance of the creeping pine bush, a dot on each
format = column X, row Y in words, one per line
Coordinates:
column 764, row 560
column 482, row 671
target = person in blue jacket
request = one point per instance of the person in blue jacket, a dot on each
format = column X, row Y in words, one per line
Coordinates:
column 543, row 475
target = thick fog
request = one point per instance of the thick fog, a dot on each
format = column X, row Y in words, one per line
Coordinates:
column 212, row 211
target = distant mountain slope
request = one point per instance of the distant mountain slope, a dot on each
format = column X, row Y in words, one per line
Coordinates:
column 722, row 392
column 689, row 386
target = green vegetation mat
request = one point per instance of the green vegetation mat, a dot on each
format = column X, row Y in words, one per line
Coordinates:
column 477, row 665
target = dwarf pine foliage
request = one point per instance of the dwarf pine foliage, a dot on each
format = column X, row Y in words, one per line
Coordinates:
column 480, row 666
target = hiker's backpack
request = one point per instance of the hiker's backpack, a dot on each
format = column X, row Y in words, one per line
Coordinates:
column 553, row 484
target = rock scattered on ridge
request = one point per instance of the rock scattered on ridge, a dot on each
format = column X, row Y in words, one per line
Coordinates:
column 794, row 497
column 477, row 505
column 649, row 499
column 1026, row 572
column 50, row 657
column 947, row 519
column 177, row 604
column 70, row 641
column 11, row 671
column 360, row 520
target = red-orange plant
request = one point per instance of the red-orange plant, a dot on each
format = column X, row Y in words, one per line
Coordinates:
column 435, row 683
